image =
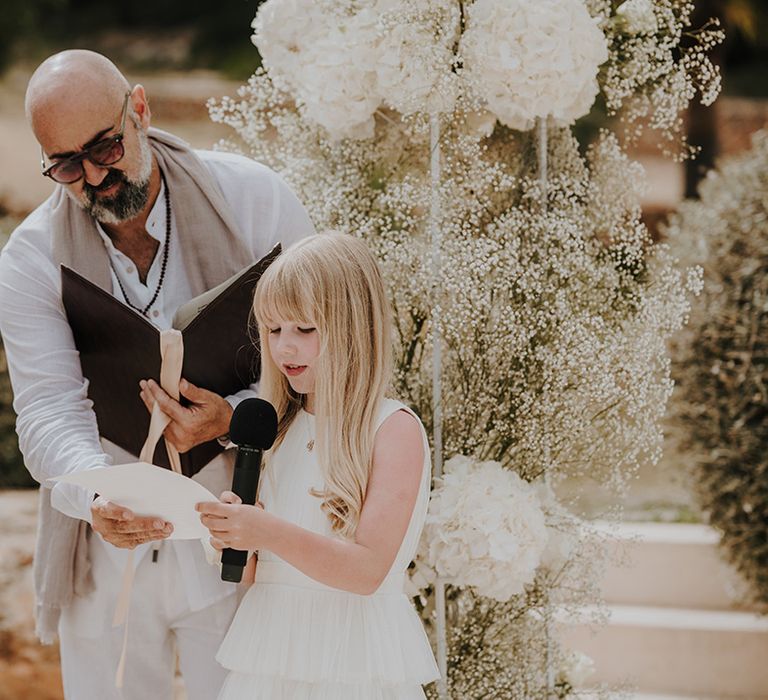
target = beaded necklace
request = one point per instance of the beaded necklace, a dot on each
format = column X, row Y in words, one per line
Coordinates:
column 143, row 311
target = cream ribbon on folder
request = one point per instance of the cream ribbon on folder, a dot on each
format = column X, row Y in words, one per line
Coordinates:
column 172, row 357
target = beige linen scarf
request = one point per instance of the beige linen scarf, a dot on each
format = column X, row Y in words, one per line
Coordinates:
column 212, row 250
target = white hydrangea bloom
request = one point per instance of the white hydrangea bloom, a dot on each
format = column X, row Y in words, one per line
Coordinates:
column 485, row 528
column 284, row 31
column 414, row 63
column 324, row 57
column 343, row 61
column 533, row 59
column 338, row 86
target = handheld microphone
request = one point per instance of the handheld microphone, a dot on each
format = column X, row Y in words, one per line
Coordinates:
column 253, row 429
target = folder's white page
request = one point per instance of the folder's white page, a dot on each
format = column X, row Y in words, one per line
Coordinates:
column 148, row 490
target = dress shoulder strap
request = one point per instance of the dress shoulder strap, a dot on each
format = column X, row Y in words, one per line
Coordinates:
column 390, row 406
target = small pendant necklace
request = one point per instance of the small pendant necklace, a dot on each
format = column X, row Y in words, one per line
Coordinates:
column 311, row 443
column 164, row 263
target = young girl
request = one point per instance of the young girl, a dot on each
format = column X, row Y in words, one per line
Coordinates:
column 344, row 490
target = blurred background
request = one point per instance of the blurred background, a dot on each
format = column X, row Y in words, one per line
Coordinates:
column 187, row 52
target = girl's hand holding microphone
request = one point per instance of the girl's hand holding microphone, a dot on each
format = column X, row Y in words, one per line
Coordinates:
column 236, row 524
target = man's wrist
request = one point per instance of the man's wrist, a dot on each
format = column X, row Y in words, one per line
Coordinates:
column 231, row 402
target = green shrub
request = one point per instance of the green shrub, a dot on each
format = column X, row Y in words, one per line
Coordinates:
column 723, row 370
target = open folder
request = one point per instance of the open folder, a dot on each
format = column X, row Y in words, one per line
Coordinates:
column 119, row 347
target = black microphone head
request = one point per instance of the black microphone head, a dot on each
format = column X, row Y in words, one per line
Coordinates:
column 253, row 424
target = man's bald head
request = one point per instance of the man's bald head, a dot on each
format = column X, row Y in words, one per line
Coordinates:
column 72, row 82
column 78, row 100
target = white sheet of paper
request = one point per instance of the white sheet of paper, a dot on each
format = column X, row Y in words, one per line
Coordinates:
column 149, row 490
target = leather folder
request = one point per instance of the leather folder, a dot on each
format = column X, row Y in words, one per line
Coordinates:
column 118, row 347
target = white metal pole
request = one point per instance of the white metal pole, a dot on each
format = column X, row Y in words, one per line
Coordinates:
column 435, row 232
column 541, row 149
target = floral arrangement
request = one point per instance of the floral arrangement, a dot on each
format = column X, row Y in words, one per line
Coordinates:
column 344, row 61
column 552, row 303
column 485, row 528
column 721, row 367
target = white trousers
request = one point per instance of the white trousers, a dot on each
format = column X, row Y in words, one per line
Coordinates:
column 160, row 625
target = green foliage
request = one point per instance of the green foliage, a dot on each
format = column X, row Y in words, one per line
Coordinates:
column 723, row 371
column 221, row 31
column 22, row 18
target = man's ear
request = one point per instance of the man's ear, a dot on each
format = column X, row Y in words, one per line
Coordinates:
column 140, row 105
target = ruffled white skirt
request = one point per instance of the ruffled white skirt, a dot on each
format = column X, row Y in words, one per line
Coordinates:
column 296, row 639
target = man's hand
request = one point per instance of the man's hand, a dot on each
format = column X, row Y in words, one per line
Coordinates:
column 206, row 418
column 120, row 527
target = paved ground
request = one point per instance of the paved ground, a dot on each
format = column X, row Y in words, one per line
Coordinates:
column 27, row 669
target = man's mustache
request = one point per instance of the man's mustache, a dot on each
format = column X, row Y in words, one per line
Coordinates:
column 112, row 177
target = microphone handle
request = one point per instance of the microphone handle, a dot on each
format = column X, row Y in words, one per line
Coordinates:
column 245, row 482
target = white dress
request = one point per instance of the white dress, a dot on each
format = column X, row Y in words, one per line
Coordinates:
column 294, row 638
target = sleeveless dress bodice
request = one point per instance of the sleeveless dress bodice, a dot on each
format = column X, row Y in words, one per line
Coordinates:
column 294, row 637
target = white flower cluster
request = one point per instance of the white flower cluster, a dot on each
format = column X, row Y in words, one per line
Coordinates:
column 323, row 55
column 415, row 60
column 658, row 64
column 533, row 59
column 344, row 60
column 638, row 16
column 485, row 528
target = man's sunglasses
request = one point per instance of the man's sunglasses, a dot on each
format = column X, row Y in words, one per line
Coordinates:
column 104, row 152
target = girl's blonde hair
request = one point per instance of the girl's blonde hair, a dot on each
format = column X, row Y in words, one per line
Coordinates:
column 331, row 280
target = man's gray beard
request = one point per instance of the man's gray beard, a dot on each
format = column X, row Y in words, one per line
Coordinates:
column 127, row 204
column 132, row 196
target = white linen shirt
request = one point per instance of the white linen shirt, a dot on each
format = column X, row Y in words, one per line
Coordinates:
column 56, row 425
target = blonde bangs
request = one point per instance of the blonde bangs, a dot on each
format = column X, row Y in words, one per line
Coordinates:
column 283, row 293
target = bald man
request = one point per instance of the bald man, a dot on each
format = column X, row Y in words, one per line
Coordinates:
column 154, row 223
